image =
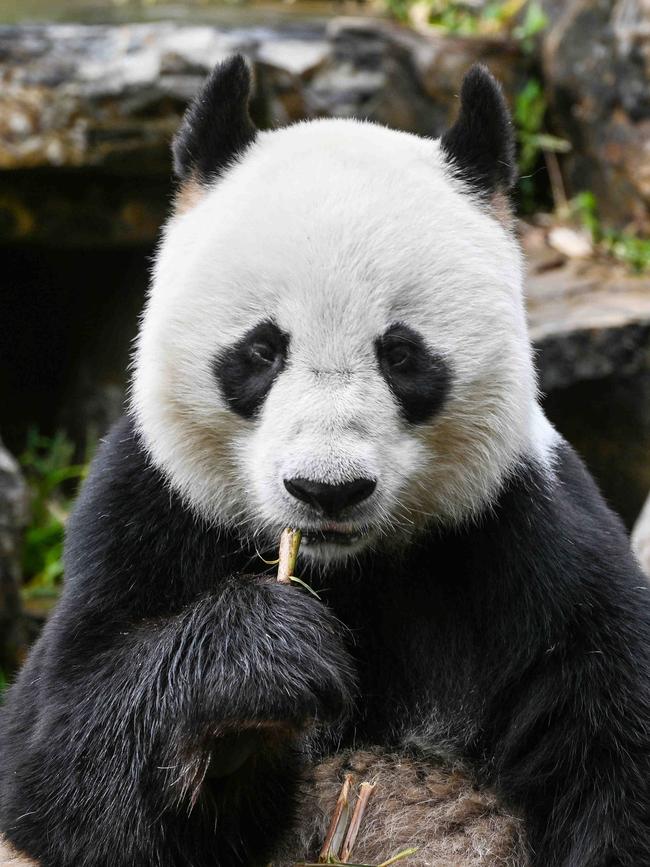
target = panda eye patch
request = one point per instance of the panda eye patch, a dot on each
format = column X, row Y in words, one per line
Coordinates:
column 418, row 377
column 246, row 370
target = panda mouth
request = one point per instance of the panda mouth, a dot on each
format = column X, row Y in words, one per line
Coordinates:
column 331, row 537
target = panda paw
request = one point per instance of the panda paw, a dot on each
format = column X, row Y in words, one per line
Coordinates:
column 293, row 652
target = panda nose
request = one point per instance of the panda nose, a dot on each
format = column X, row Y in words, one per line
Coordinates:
column 330, row 499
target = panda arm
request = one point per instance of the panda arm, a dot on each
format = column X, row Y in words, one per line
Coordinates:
column 154, row 700
column 569, row 721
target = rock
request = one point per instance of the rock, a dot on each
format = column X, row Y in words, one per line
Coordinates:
column 596, row 62
column 407, row 80
column 14, row 513
column 590, row 323
column 371, row 75
column 570, row 242
column 588, row 318
column 641, row 537
column 79, row 95
column 108, row 99
column 442, row 61
column 295, row 56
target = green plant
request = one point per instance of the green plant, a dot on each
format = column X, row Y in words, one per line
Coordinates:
column 631, row 250
column 399, row 9
column 534, row 22
column 529, row 114
column 535, row 143
column 52, row 476
column 585, row 210
column 4, row 683
column 465, row 19
column 454, row 18
column 523, row 19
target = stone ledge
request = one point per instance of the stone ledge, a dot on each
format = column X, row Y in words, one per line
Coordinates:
column 589, row 318
column 87, row 95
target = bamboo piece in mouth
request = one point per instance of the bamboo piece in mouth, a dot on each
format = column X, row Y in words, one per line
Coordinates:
column 289, row 545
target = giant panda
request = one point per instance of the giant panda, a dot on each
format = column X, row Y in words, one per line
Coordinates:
column 335, row 341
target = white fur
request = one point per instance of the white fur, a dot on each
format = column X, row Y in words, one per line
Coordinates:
column 336, row 229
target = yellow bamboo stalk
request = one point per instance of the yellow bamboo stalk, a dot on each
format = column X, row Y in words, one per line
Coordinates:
column 289, row 545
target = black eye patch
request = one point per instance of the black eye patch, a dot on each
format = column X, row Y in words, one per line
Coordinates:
column 419, row 378
column 246, row 370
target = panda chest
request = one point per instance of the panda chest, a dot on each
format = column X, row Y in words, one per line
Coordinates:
column 416, row 662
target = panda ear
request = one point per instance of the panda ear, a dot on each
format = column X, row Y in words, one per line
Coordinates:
column 216, row 126
column 480, row 146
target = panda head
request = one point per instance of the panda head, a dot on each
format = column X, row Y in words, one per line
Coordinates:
column 335, row 337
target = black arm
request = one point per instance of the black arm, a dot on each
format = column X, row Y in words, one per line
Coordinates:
column 569, row 722
column 155, row 710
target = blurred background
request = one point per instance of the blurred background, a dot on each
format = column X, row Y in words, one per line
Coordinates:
column 92, row 91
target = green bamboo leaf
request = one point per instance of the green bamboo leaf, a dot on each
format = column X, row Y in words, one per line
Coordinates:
column 306, row 586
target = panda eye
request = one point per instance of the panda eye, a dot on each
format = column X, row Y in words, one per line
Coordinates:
column 264, row 352
column 246, row 370
column 419, row 378
column 398, row 355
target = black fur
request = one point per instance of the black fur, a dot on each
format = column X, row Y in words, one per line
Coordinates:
column 216, row 127
column 419, row 379
column 158, row 648
column 521, row 641
column 480, row 146
column 246, row 371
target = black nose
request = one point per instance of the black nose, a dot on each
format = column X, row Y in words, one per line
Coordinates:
column 330, row 499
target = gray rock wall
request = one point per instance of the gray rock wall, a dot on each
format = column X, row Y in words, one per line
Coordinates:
column 107, row 99
column 596, row 63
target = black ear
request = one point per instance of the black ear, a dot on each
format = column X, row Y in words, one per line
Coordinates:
column 480, row 146
column 216, row 126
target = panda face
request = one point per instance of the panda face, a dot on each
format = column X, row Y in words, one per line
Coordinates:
column 335, row 341
column 330, row 470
